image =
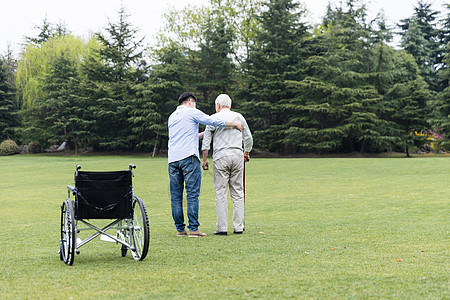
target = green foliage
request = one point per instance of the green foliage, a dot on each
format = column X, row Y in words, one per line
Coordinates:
column 211, row 68
column 421, row 39
column 112, row 76
column 47, row 31
column 35, row 61
column 8, row 147
column 34, row 147
column 159, row 98
column 441, row 113
column 8, row 119
column 334, row 87
column 336, row 107
column 273, row 59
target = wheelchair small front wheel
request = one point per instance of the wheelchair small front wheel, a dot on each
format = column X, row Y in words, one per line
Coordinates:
column 139, row 230
column 68, row 239
column 123, row 234
column 124, row 250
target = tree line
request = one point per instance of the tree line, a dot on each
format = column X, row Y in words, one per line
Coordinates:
column 334, row 87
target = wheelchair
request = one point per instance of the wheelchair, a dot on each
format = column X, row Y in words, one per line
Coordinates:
column 104, row 195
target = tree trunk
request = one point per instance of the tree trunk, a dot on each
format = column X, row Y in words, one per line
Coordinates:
column 363, row 146
column 154, row 147
column 350, row 142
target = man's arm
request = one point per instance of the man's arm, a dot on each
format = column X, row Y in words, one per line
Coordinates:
column 247, row 139
column 235, row 124
column 215, row 121
column 205, row 164
column 206, row 144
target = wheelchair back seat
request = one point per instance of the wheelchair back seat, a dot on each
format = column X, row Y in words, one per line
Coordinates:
column 103, row 195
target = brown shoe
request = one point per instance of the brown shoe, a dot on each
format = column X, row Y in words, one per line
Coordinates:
column 196, row 233
column 182, row 233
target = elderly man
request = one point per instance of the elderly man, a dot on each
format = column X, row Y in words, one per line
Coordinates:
column 184, row 160
column 228, row 164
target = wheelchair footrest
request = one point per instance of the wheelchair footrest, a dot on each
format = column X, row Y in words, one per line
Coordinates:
column 106, row 238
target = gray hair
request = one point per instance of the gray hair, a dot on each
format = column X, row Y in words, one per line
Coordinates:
column 223, row 100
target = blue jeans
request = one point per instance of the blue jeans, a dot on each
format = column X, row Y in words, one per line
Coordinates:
column 186, row 171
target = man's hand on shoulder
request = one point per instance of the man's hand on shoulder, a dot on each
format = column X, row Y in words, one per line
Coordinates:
column 235, row 124
column 238, row 124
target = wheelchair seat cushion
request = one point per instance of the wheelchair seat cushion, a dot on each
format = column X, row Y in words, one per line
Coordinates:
column 103, row 195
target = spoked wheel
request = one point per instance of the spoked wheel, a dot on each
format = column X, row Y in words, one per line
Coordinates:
column 139, row 230
column 68, row 233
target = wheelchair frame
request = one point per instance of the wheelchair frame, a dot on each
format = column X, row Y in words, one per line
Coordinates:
column 132, row 232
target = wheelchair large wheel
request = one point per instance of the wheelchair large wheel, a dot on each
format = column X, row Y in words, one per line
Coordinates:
column 139, row 230
column 68, row 233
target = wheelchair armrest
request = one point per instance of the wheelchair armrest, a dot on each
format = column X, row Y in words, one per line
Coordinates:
column 71, row 188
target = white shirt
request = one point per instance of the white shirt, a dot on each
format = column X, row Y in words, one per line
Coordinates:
column 228, row 141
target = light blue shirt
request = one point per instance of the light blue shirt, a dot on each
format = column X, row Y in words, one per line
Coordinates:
column 183, row 131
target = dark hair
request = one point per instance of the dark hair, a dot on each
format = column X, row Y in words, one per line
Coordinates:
column 185, row 96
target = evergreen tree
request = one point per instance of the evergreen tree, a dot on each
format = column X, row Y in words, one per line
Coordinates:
column 113, row 75
column 441, row 116
column 34, row 66
column 47, row 31
column 7, row 108
column 211, row 70
column 444, row 41
column 62, row 113
column 407, row 99
column 441, row 120
column 337, row 106
column 273, row 59
column 419, row 37
column 160, row 94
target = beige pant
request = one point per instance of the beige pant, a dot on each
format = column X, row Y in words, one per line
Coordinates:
column 228, row 172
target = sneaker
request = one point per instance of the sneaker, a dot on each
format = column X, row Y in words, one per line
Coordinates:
column 182, row 233
column 220, row 233
column 238, row 232
column 196, row 233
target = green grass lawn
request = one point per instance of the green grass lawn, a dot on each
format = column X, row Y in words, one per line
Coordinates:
column 315, row 228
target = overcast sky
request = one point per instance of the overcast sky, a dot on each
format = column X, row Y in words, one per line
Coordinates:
column 19, row 17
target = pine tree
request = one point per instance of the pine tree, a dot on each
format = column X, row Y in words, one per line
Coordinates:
column 407, row 100
column 7, row 108
column 160, row 93
column 441, row 120
column 444, row 41
column 63, row 114
column 420, row 38
column 211, row 70
column 273, row 59
column 337, row 105
column 47, row 31
column 113, row 74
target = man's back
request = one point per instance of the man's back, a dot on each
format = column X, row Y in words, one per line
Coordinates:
column 183, row 131
column 226, row 141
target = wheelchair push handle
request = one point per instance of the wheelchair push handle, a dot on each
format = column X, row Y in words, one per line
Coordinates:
column 77, row 168
column 131, row 167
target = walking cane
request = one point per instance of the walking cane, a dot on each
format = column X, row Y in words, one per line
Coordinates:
column 246, row 159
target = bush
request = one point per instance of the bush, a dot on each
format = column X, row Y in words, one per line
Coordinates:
column 34, row 147
column 8, row 147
